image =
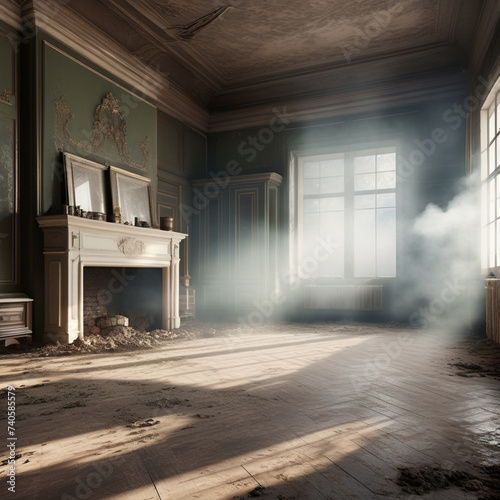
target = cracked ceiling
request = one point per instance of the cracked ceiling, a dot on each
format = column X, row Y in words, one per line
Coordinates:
column 226, row 53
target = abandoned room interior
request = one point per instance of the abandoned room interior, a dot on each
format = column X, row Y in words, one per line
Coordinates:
column 250, row 249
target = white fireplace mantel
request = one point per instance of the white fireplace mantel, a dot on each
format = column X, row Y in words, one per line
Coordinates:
column 72, row 243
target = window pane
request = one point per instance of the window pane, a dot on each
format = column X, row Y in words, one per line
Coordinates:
column 484, row 205
column 386, row 242
column 386, row 200
column 491, row 201
column 332, row 185
column 332, row 264
column 498, row 241
column 311, row 186
column 331, row 168
column 310, row 235
column 322, row 226
column 311, row 226
column 498, row 114
column 484, row 165
column 386, row 180
column 373, row 237
column 364, row 182
column 497, row 142
column 491, row 156
column 484, row 248
column 311, row 205
column 498, row 195
column 332, row 204
column 364, row 164
column 491, row 244
column 364, row 201
column 491, row 124
column 364, row 243
column 386, row 162
column 328, row 224
column 311, row 170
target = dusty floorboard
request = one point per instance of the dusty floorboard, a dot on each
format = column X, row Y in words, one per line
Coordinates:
column 325, row 411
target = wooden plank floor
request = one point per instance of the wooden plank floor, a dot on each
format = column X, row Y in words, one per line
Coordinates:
column 308, row 412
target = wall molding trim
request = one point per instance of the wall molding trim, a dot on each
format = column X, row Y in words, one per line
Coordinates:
column 485, row 30
column 271, row 177
column 72, row 31
column 10, row 13
column 339, row 103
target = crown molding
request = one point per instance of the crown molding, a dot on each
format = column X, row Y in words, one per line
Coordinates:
column 272, row 177
column 10, row 14
column 404, row 65
column 485, row 29
column 375, row 97
column 203, row 70
column 65, row 26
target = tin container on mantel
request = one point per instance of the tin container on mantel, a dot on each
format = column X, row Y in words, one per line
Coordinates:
column 167, row 223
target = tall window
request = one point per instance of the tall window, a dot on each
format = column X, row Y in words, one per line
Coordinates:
column 350, row 199
column 490, row 181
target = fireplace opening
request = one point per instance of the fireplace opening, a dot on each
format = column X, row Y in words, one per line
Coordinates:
column 121, row 296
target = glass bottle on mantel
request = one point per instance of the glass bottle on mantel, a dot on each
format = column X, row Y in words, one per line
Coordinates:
column 117, row 215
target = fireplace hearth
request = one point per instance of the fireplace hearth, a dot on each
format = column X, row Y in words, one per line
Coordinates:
column 113, row 293
column 72, row 244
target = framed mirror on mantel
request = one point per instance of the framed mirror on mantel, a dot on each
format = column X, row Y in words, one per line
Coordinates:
column 85, row 184
column 88, row 186
column 132, row 193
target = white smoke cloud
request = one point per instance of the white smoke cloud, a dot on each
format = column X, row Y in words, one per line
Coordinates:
column 444, row 271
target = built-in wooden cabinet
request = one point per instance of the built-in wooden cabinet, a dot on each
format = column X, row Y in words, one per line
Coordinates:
column 235, row 242
column 15, row 316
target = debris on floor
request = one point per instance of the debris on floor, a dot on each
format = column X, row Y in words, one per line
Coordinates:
column 423, row 480
column 257, row 491
column 119, row 338
column 122, row 338
column 143, row 423
column 483, row 358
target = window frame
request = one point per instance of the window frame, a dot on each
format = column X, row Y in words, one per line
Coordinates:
column 349, row 194
column 490, row 182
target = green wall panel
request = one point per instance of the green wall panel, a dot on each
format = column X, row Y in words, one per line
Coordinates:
column 181, row 150
column 168, row 188
column 225, row 150
column 7, row 200
column 257, row 149
column 7, row 81
column 84, row 90
column 9, row 234
column 195, row 154
column 169, row 142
